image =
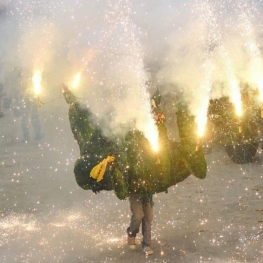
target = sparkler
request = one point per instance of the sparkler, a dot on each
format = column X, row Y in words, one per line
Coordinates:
column 237, row 101
column 36, row 81
column 201, row 124
column 91, row 53
column 200, row 132
column 37, row 77
column 201, row 127
column 151, row 133
column 76, row 80
column 238, row 107
column 239, row 122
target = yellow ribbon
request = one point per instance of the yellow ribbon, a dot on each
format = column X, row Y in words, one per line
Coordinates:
column 99, row 170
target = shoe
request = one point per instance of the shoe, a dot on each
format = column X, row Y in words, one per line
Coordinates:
column 131, row 240
column 147, row 250
column 1, row 115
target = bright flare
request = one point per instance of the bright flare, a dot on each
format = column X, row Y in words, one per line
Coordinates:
column 151, row 133
column 201, row 118
column 201, row 127
column 76, row 80
column 37, row 77
column 238, row 106
column 153, row 139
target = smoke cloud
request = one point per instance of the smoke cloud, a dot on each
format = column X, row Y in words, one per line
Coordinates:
column 199, row 49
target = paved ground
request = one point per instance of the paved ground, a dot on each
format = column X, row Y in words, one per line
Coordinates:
column 46, row 217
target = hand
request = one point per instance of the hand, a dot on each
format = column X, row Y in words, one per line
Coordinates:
column 96, row 188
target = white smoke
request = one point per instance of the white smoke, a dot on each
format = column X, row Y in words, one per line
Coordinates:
column 202, row 49
column 217, row 53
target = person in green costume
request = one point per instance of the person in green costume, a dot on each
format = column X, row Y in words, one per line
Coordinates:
column 141, row 204
column 134, row 168
column 130, row 167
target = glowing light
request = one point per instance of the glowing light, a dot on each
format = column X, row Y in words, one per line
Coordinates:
column 37, row 77
column 201, row 118
column 201, row 126
column 151, row 133
column 76, row 80
column 201, row 107
column 238, row 106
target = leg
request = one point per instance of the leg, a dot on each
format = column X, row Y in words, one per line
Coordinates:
column 35, row 121
column 147, row 224
column 24, row 125
column 137, row 214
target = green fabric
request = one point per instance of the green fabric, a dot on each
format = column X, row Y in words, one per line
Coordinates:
column 145, row 173
column 137, row 168
column 226, row 123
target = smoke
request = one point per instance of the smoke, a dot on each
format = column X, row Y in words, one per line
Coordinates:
column 199, row 49
column 217, row 53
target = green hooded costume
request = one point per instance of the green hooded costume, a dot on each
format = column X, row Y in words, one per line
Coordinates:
column 137, row 168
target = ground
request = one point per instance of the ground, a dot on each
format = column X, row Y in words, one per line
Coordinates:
column 46, row 217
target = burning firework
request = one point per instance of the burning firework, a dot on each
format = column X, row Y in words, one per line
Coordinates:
column 36, row 79
column 76, row 80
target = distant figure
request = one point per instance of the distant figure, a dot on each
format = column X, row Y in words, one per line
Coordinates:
column 29, row 110
column 26, row 108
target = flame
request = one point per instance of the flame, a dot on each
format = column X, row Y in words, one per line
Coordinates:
column 153, row 139
column 238, row 107
column 238, row 104
column 37, row 77
column 151, row 133
column 76, row 80
column 84, row 63
column 201, row 127
column 201, row 118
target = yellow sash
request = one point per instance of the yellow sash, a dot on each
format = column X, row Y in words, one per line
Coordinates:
column 99, row 170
